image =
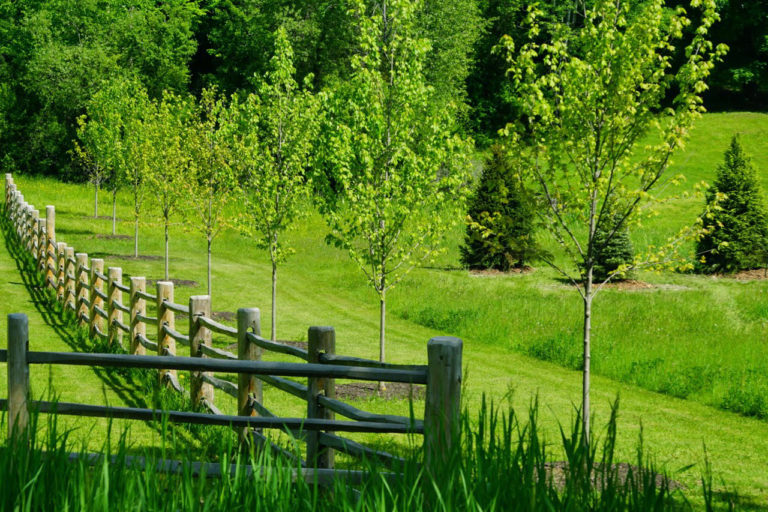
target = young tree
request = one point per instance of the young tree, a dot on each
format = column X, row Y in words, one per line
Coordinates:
column 394, row 170
column 500, row 219
column 738, row 238
column 279, row 127
column 591, row 93
column 168, row 163
column 95, row 149
column 211, row 183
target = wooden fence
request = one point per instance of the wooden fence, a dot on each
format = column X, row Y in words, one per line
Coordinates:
column 98, row 301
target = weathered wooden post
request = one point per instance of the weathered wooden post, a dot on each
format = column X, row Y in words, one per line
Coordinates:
column 26, row 214
column 81, row 289
column 8, row 183
column 199, row 305
column 138, row 307
column 442, row 413
column 42, row 257
column 166, row 345
column 18, row 373
column 321, row 340
column 114, row 295
column 97, row 301
column 34, row 242
column 69, row 275
column 248, row 386
column 50, row 236
column 61, row 249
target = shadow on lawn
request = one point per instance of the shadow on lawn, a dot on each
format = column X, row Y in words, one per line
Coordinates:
column 63, row 323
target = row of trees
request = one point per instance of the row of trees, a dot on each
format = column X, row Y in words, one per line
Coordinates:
column 385, row 167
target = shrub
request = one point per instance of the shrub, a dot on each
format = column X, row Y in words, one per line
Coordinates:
column 500, row 219
column 611, row 253
column 736, row 236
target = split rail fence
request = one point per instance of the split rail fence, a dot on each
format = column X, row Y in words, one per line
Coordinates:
column 97, row 299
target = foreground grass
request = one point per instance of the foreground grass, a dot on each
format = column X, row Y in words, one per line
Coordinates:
column 689, row 337
column 502, row 464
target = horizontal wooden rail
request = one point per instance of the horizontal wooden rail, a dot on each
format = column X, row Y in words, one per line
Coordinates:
column 100, row 312
column 290, row 387
column 144, row 342
column 181, row 338
column 132, row 413
column 217, row 353
column 355, row 449
column 120, row 325
column 229, row 388
column 151, row 320
column 101, row 276
column 146, row 296
column 257, row 368
column 359, row 415
column 369, row 363
column 281, row 348
column 217, row 327
column 122, row 287
column 118, row 306
column 177, row 308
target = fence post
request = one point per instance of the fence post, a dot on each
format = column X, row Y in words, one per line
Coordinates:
column 442, row 414
column 8, row 183
column 321, row 340
column 248, row 385
column 114, row 294
column 97, row 286
column 138, row 307
column 61, row 266
column 18, row 373
column 69, row 274
column 165, row 344
column 81, row 289
column 42, row 249
column 50, row 236
column 34, row 243
column 199, row 305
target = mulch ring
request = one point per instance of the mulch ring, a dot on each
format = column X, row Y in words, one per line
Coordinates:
column 393, row 391
column 140, row 257
column 557, row 471
column 176, row 282
column 113, row 237
column 629, row 284
column 754, row 274
column 495, row 273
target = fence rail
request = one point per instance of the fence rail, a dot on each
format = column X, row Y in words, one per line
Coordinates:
column 98, row 301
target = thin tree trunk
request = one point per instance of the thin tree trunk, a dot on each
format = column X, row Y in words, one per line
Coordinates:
column 587, row 333
column 382, row 330
column 166, row 248
column 136, row 237
column 210, row 242
column 96, row 200
column 114, row 212
column 274, row 300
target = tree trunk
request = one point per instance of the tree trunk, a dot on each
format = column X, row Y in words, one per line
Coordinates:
column 382, row 330
column 210, row 242
column 114, row 212
column 96, row 200
column 136, row 237
column 274, row 300
column 587, row 332
column 166, row 248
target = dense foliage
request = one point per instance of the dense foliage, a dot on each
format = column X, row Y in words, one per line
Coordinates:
column 500, row 219
column 55, row 55
column 737, row 230
column 613, row 251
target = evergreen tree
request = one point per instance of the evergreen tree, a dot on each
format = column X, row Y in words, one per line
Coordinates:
column 500, row 219
column 736, row 234
column 612, row 250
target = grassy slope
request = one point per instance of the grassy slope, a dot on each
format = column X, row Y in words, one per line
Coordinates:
column 689, row 324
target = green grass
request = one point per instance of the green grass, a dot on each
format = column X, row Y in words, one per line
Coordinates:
column 698, row 340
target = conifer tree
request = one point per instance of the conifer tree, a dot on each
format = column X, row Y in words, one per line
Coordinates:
column 612, row 251
column 500, row 219
column 736, row 235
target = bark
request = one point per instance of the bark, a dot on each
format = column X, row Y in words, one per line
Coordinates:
column 274, row 301
column 136, row 237
column 382, row 330
column 96, row 200
column 210, row 242
column 114, row 212
column 587, row 333
column 166, row 248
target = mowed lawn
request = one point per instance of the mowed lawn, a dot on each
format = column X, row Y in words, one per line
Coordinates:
column 696, row 338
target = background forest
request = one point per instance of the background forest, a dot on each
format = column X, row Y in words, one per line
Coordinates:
column 55, row 55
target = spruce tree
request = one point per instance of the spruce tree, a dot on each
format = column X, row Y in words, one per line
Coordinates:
column 736, row 236
column 611, row 253
column 500, row 219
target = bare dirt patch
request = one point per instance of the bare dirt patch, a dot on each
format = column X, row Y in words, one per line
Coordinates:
column 140, row 257
column 226, row 316
column 367, row 390
column 629, row 284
